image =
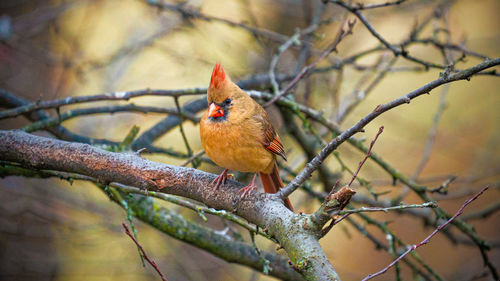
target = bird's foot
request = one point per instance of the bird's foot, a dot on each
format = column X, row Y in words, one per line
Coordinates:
column 220, row 179
column 249, row 188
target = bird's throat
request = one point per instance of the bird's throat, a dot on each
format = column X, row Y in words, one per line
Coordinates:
column 219, row 118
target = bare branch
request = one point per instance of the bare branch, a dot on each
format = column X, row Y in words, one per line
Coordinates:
column 135, row 183
column 167, row 221
column 333, row 47
column 337, row 201
column 379, row 245
column 396, row 51
column 151, row 262
column 360, row 6
column 56, row 120
column 9, row 100
column 201, row 210
column 274, row 61
column 484, row 213
column 427, row 239
column 181, row 129
column 367, row 24
column 386, row 209
column 358, row 127
column 359, row 95
column 368, row 154
column 265, row 210
column 101, row 97
column 190, row 12
column 432, row 133
column 345, row 213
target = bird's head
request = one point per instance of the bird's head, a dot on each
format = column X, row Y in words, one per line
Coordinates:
column 222, row 96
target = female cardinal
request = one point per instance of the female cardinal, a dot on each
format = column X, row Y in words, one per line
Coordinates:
column 236, row 134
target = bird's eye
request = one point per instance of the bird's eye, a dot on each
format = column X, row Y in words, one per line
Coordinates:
column 227, row 101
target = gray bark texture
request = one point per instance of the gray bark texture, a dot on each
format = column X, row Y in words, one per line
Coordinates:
column 298, row 234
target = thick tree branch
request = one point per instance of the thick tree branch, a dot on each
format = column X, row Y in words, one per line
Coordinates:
column 214, row 242
column 169, row 222
column 297, row 234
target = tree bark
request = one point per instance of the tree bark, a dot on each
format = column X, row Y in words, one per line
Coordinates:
column 296, row 233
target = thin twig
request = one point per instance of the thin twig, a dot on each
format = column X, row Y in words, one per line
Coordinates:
column 428, row 148
column 333, row 47
column 337, row 201
column 314, row 19
column 361, row 6
column 397, row 51
column 192, row 158
column 367, row 24
column 56, row 120
column 358, row 127
column 101, row 97
column 427, row 239
column 432, row 133
column 392, row 251
column 151, row 262
column 274, row 61
column 345, row 213
column 484, row 213
column 447, row 58
column 379, row 245
column 386, row 209
column 346, row 135
column 201, row 210
column 368, row 154
column 9, row 100
column 362, row 182
column 451, row 46
column 360, row 95
column 385, row 229
column 190, row 12
column 181, row 129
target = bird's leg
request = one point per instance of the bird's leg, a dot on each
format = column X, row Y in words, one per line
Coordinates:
column 249, row 188
column 220, row 179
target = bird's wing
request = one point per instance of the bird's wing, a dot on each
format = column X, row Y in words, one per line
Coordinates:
column 270, row 139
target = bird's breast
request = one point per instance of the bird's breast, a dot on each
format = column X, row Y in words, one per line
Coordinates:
column 235, row 147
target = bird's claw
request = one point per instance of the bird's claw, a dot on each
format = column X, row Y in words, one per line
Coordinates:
column 220, row 179
column 247, row 190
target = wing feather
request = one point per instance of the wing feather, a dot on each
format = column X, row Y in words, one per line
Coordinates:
column 270, row 139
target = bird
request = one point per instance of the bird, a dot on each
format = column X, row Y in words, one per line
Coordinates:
column 236, row 134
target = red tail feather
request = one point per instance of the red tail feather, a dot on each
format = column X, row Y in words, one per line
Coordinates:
column 218, row 76
column 272, row 183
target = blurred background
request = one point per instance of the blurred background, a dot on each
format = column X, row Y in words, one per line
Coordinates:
column 52, row 230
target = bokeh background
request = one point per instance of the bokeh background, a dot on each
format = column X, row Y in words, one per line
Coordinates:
column 51, row 230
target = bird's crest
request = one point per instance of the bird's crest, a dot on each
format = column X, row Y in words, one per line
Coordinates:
column 218, row 76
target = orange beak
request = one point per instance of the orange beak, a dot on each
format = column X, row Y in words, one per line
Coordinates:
column 215, row 111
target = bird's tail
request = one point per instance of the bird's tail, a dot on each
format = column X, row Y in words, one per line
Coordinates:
column 272, row 183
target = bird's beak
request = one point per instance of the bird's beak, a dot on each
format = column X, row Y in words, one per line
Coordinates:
column 215, row 111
